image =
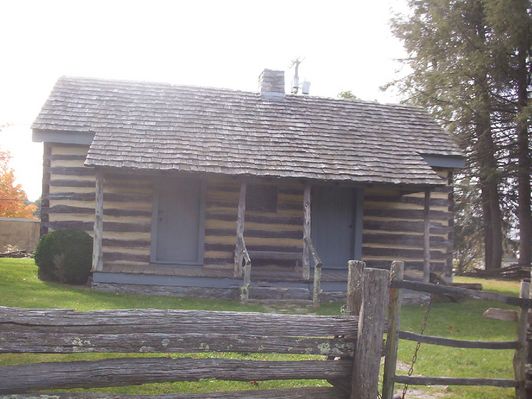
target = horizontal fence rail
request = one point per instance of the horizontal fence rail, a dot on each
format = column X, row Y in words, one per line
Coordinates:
column 132, row 371
column 520, row 346
column 297, row 393
column 176, row 322
column 341, row 342
column 494, row 382
column 467, row 293
column 39, row 342
column 457, row 343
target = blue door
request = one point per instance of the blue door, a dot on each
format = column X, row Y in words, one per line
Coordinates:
column 179, row 221
column 332, row 225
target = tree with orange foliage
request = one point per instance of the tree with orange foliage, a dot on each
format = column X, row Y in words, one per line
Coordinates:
column 13, row 200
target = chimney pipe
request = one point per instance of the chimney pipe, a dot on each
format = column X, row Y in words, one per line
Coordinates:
column 305, row 87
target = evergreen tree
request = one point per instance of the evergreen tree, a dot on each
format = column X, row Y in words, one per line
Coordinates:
column 450, row 55
column 511, row 22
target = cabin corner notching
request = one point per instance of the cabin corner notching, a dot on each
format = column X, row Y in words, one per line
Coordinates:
column 165, row 216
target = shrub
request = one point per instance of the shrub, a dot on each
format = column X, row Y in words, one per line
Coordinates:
column 64, row 256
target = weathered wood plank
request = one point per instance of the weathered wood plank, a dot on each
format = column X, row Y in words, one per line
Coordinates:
column 251, row 248
column 306, row 230
column 365, row 377
column 495, row 382
column 119, row 243
column 72, row 209
column 403, row 199
column 113, row 197
column 71, row 183
column 109, row 226
column 457, row 343
column 123, row 256
column 275, row 255
column 72, row 224
column 240, row 220
column 405, row 226
column 255, row 233
column 403, row 239
column 296, row 393
column 355, row 271
column 426, row 237
column 73, row 171
column 68, row 157
column 175, row 322
column 60, row 342
column 134, row 371
column 316, row 286
column 402, row 253
column 273, row 219
column 68, row 209
column 392, row 336
column 97, row 250
column 439, row 289
column 407, row 214
column 246, row 282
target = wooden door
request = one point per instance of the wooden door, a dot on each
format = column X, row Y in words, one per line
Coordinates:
column 179, row 221
column 332, row 226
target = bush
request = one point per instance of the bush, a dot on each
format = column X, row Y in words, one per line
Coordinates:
column 64, row 256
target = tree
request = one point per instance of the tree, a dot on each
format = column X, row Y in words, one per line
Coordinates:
column 347, row 95
column 511, row 21
column 13, row 199
column 462, row 60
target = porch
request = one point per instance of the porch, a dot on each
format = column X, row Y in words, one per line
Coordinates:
column 304, row 240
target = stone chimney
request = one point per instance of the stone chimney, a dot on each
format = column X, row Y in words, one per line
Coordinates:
column 272, row 84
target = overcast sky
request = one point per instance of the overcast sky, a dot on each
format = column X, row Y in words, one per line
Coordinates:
column 346, row 45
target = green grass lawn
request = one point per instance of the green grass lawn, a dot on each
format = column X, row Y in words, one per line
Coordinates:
column 19, row 286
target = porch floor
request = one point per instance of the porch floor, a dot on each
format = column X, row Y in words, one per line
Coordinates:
column 258, row 274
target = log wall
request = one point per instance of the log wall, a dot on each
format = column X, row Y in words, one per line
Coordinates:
column 393, row 229
column 127, row 206
column 264, row 231
column 71, row 189
column 393, row 223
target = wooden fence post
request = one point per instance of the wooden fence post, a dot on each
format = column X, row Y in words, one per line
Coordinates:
column 366, row 364
column 529, row 328
column 521, row 354
column 392, row 337
column 355, row 270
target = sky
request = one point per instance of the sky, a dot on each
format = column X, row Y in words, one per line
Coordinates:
column 345, row 45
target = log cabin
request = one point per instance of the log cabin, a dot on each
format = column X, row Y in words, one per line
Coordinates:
column 181, row 187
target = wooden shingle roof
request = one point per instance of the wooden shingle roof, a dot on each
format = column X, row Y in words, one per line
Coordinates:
column 139, row 125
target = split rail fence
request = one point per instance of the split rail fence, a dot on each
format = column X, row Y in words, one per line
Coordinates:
column 349, row 346
column 520, row 345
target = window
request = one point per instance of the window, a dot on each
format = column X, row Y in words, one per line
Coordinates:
column 261, row 197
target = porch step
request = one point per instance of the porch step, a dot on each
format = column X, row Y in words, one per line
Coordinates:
column 280, row 293
column 283, row 302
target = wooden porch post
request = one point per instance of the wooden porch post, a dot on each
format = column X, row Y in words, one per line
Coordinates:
column 241, row 214
column 426, row 238
column 306, row 231
column 97, row 252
